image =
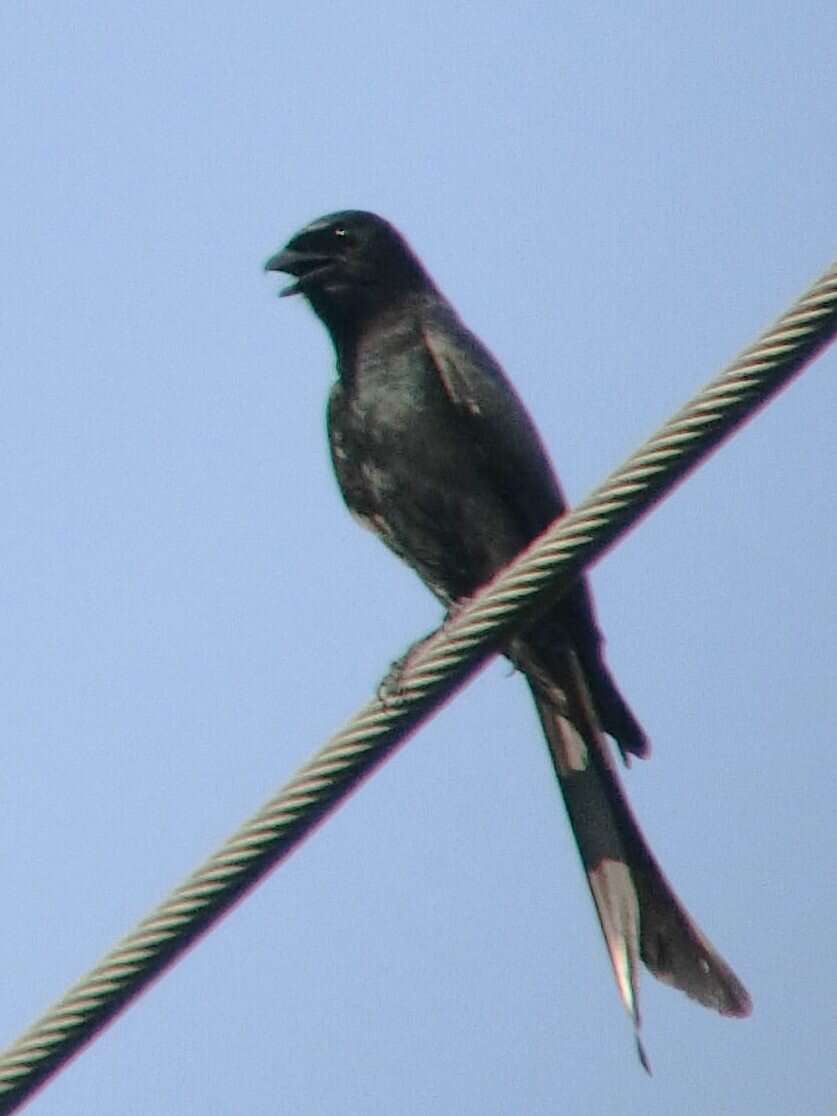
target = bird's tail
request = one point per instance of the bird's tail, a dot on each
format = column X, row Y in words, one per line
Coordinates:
column 640, row 916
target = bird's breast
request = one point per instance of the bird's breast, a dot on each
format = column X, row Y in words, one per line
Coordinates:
column 409, row 470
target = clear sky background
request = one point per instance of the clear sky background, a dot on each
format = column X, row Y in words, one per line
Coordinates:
column 617, row 198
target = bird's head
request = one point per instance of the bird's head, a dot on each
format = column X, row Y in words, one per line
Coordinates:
column 348, row 265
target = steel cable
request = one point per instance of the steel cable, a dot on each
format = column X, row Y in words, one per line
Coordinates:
column 430, row 673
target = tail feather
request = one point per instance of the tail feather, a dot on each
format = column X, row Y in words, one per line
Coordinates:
column 640, row 915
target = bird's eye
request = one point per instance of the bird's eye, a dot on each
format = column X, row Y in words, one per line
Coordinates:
column 348, row 237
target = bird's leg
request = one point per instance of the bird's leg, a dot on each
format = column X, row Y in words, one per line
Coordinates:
column 453, row 609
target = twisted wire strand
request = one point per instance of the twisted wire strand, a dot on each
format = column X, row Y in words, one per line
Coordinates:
column 429, row 675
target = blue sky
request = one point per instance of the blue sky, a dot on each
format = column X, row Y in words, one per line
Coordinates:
column 617, row 198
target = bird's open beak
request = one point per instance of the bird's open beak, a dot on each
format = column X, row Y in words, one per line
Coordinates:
column 298, row 263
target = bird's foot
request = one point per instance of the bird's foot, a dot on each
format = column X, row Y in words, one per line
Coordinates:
column 390, row 688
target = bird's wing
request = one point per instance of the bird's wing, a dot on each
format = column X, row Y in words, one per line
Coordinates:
column 498, row 424
column 520, row 474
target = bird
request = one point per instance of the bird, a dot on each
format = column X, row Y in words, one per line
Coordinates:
column 435, row 452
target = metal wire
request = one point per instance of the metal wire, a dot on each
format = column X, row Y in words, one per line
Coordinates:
column 428, row 676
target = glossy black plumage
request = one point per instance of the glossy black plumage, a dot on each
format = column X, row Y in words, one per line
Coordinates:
column 434, row 451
